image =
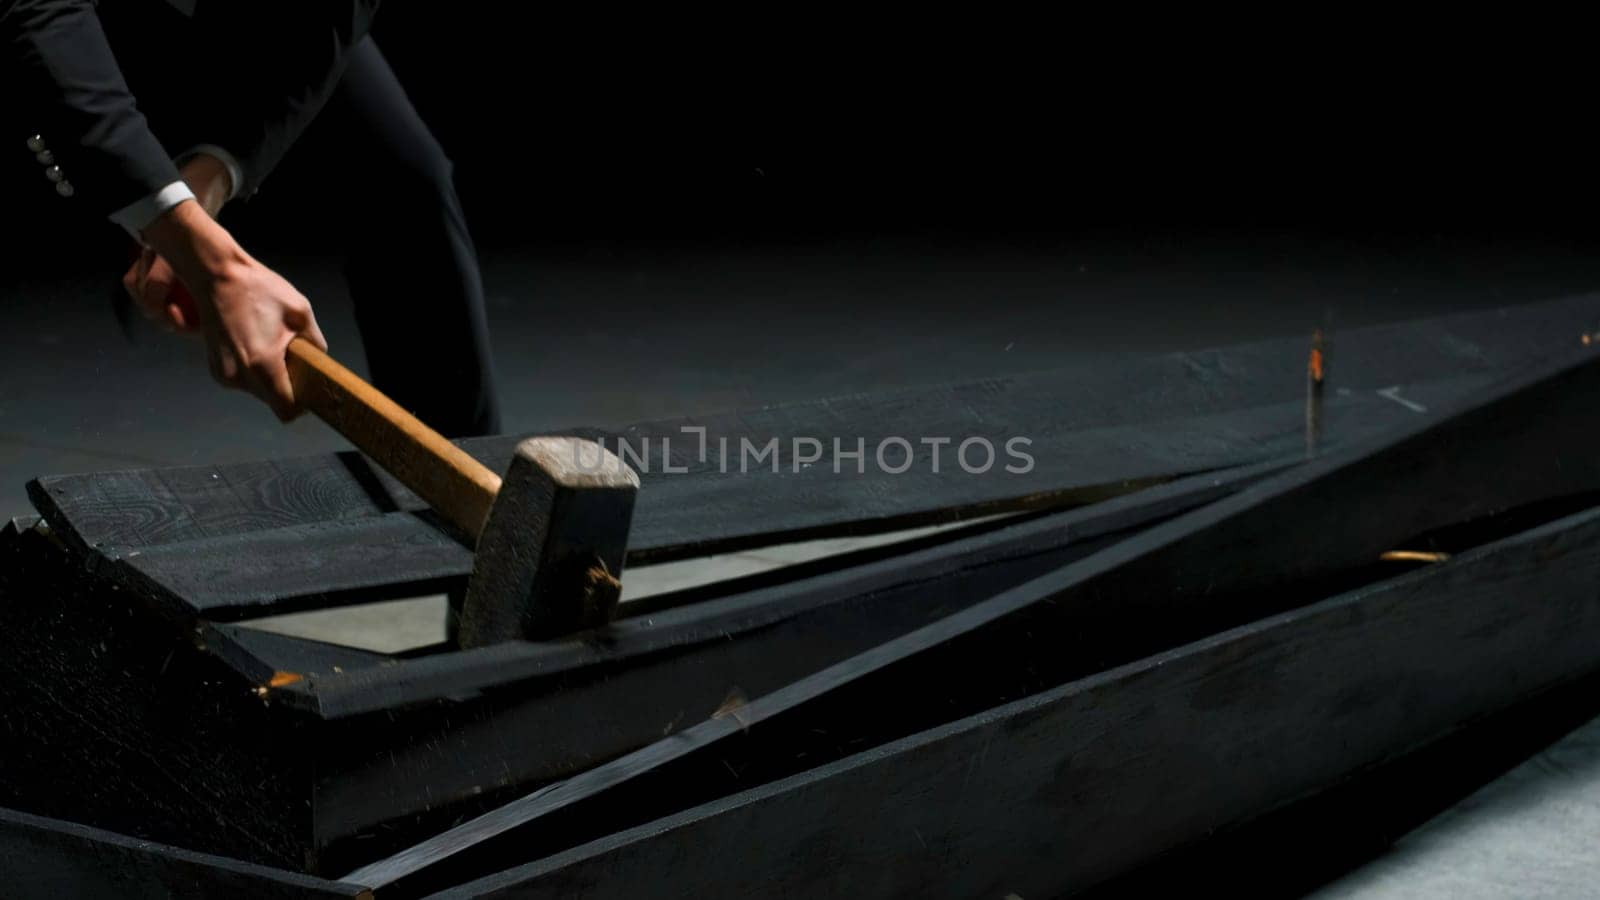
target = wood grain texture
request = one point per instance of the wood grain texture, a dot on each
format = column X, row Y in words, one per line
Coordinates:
column 51, row 858
column 1284, row 542
column 1062, row 790
column 295, row 568
column 1094, row 429
column 112, row 512
column 447, row 478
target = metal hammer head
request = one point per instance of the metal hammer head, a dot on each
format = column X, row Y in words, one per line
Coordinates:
column 551, row 551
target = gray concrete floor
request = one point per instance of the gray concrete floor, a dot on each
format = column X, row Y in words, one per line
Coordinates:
column 610, row 333
column 1532, row 833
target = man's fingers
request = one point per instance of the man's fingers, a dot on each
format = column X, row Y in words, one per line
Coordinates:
column 224, row 365
column 272, row 382
column 187, row 317
column 262, row 378
column 249, row 318
column 156, row 292
column 149, row 281
column 283, row 403
column 303, row 321
column 181, row 312
column 155, row 281
column 133, row 283
column 179, row 320
column 314, row 334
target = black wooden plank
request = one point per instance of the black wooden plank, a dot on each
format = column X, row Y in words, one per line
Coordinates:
column 1059, row 791
column 168, row 744
column 370, row 558
column 296, row 655
column 114, row 512
column 944, row 569
column 53, row 858
column 296, row 568
column 117, row 511
column 1070, row 465
column 503, row 718
column 116, row 706
column 1273, row 546
column 413, row 751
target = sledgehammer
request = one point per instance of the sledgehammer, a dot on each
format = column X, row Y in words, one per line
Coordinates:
column 550, row 535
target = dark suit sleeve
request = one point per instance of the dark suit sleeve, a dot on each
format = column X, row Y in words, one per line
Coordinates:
column 282, row 63
column 66, row 73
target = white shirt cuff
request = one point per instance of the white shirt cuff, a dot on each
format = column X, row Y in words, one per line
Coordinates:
column 235, row 171
column 137, row 216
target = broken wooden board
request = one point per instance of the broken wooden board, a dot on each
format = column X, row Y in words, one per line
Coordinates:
column 1059, row 791
column 1003, row 801
column 432, row 732
column 287, row 726
column 1004, row 552
column 253, row 539
column 41, row 857
column 1285, row 542
column 367, row 750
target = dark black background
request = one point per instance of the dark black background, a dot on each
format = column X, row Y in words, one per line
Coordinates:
column 739, row 127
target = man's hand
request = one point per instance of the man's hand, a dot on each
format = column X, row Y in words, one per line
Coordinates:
column 247, row 313
column 149, row 281
column 248, row 317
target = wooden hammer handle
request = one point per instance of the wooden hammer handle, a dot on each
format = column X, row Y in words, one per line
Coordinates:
column 457, row 486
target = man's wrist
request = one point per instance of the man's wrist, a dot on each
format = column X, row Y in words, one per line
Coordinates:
column 200, row 250
column 210, row 180
column 230, row 163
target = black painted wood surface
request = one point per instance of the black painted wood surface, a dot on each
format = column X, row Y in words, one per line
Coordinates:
column 438, row 732
column 1285, row 542
column 111, row 718
column 236, row 541
column 365, row 752
column 1061, row 790
column 880, row 597
column 53, row 859
column 1459, row 469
